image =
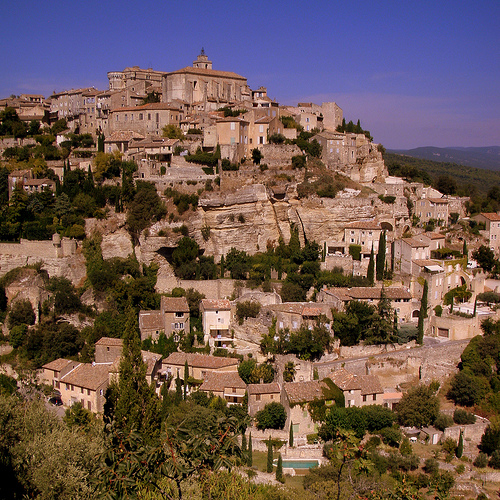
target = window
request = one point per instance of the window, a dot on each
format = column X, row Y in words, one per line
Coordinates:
column 261, row 128
column 257, row 397
column 140, row 116
column 364, row 398
column 233, row 126
column 179, row 314
column 149, row 116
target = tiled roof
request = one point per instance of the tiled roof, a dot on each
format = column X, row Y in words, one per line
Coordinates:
column 492, row 216
column 57, row 365
column 272, row 388
column 207, row 72
column 301, row 392
column 174, row 304
column 88, row 376
column 414, row 242
column 438, row 200
column 437, row 236
column 153, row 106
column 109, row 341
column 199, row 360
column 154, row 142
column 217, row 382
column 123, row 136
column 39, row 182
column 344, row 380
column 150, row 320
column 370, row 384
column 311, row 311
column 368, row 224
column 216, row 305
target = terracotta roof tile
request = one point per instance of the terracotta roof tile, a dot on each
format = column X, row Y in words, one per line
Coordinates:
column 88, row 376
column 217, row 382
column 109, row 341
column 57, row 365
column 199, row 360
column 150, row 320
column 367, row 224
column 301, row 392
column 492, row 216
column 174, row 304
column 216, row 305
column 272, row 388
column 208, row 72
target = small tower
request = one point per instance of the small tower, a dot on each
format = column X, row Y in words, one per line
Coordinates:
column 202, row 61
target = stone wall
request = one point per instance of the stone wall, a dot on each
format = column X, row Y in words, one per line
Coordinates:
column 279, row 154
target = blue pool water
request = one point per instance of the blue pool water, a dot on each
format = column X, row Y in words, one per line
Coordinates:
column 298, row 464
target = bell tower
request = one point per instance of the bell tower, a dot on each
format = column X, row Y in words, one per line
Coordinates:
column 202, row 61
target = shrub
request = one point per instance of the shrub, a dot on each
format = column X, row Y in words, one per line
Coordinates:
column 431, row 466
column 481, row 461
column 443, row 421
column 494, row 462
column 273, row 416
column 463, row 417
column 247, row 309
column 449, row 446
column 391, row 436
column 21, row 313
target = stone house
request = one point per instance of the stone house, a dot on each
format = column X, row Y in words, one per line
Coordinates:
column 232, row 134
column 216, row 318
column 120, row 141
column 259, row 395
column 146, row 119
column 199, row 365
column 226, row 385
column 295, row 397
column 69, row 104
column 152, row 361
column 432, row 208
column 492, row 229
column 142, row 81
column 358, row 390
column 39, row 185
column 108, row 349
column 293, row 315
column 157, row 149
column 365, row 234
column 261, row 128
column 408, row 250
column 172, row 318
column 84, row 383
column 399, row 297
column 18, row 178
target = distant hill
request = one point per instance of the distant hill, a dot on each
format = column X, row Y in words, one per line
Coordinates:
column 486, row 158
column 429, row 171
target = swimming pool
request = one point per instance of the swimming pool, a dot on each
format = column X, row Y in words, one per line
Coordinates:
column 298, row 463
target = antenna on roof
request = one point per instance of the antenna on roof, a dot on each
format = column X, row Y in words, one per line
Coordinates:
column 202, row 53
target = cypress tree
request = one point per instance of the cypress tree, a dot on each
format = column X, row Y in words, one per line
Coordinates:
column 465, row 251
column 186, row 376
column 371, row 269
column 460, row 448
column 279, row 470
column 269, row 467
column 243, row 443
column 380, row 265
column 222, row 264
column 422, row 314
column 290, row 438
column 250, row 451
column 178, row 390
column 136, row 405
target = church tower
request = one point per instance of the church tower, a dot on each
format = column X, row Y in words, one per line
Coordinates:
column 202, row 61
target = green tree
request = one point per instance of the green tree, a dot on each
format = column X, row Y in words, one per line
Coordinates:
column 467, row 389
column 290, row 435
column 418, row 407
column 136, row 406
column 21, row 313
column 269, row 464
column 279, row 470
column 371, row 269
column 256, row 156
column 422, row 313
column 460, row 447
column 289, row 371
column 273, row 416
column 380, row 264
column 172, row 132
column 250, row 451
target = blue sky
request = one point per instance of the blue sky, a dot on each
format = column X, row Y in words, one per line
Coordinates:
column 416, row 73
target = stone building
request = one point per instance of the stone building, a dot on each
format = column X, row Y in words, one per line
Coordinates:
column 147, row 119
column 171, row 319
column 358, row 390
column 294, row 315
column 432, row 208
column 261, row 394
column 216, row 317
column 142, row 81
column 226, row 385
column 366, row 234
column 492, row 229
column 199, row 365
column 200, row 84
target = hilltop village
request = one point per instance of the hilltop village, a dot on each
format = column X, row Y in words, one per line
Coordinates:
column 248, row 251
